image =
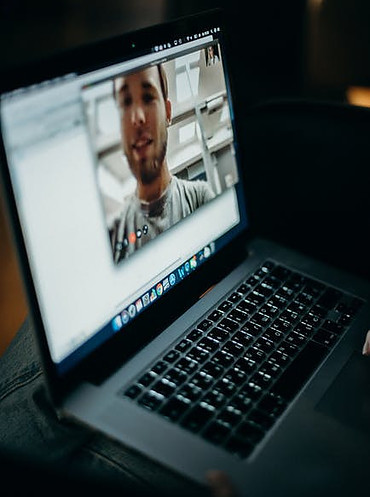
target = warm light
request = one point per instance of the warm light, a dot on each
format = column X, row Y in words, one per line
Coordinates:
column 359, row 95
column 316, row 4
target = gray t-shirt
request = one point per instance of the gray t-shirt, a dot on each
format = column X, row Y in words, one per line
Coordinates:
column 140, row 221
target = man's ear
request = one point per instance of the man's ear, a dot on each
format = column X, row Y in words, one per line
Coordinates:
column 168, row 111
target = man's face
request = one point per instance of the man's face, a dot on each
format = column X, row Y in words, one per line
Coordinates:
column 144, row 118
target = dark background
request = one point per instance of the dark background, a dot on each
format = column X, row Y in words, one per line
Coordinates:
column 293, row 66
column 297, row 47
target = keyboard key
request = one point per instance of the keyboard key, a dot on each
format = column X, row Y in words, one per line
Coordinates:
column 261, row 319
column 233, row 348
column 305, row 299
column 147, row 379
column 216, row 433
column 215, row 398
column 239, row 446
column 250, row 431
column 223, row 358
column 255, row 354
column 330, row 325
column 268, row 266
column 330, row 298
column 281, row 273
column 205, row 325
column 280, row 359
column 236, row 376
column 215, row 316
column 208, row 344
column 263, row 419
column 187, row 365
column 296, row 339
column 198, row 355
column 319, row 311
column 271, row 368
column 172, row 356
column 190, row 392
column 269, row 310
column 234, row 297
column 278, row 301
column 202, row 380
column 296, row 307
column 265, row 345
column 252, row 391
column 272, row 282
column 252, row 281
column 150, row 401
column 311, row 320
column 160, row 367
column 245, row 365
column 176, row 376
column 325, row 337
column 164, row 387
column 230, row 416
column 226, row 387
column 288, row 349
column 228, row 325
column 273, row 335
column 243, row 289
column 133, row 391
column 243, row 338
column 262, row 379
column 285, row 292
column 273, row 404
column 218, row 335
column 197, row 418
column 299, row 371
column 238, row 316
column 289, row 316
column 241, row 402
column 304, row 329
column 174, row 408
column 264, row 290
column 252, row 329
column 184, row 345
column 246, row 306
column 281, row 325
column 256, row 298
column 225, row 306
column 213, row 369
column 194, row 335
column 345, row 320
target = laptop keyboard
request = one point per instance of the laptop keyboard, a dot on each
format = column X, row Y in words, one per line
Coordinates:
column 232, row 376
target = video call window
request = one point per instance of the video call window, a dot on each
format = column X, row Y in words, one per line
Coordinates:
column 163, row 142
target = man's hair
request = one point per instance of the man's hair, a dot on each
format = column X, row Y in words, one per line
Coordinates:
column 162, row 79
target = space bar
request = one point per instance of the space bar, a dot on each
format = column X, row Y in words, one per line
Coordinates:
column 299, row 371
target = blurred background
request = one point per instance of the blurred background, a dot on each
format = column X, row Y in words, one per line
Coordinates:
column 291, row 49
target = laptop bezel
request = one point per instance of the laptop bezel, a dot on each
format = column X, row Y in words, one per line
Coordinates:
column 110, row 355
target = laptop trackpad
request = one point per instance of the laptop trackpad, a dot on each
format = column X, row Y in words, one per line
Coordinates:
column 348, row 397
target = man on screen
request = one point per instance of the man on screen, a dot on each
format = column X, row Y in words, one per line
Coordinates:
column 160, row 199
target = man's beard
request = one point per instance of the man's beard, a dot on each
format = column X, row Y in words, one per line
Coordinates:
column 150, row 169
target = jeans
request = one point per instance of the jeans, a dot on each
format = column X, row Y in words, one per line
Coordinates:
column 29, row 427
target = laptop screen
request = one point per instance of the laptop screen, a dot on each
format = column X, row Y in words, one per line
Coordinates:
column 126, row 181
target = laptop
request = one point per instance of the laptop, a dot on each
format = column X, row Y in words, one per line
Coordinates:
column 172, row 331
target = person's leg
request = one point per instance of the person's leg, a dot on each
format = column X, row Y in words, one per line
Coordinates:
column 30, row 427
